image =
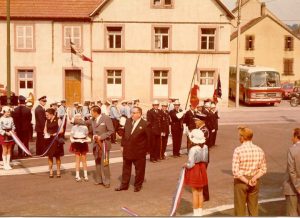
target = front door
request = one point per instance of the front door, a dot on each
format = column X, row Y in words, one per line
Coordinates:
column 72, row 86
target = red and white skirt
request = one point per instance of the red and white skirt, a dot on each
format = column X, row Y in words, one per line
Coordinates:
column 6, row 140
column 196, row 177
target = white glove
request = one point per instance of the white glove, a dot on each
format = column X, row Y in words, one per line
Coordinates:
column 213, row 130
column 163, row 134
column 185, row 129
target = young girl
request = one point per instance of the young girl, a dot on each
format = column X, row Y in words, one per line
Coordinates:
column 79, row 139
column 195, row 175
column 6, row 125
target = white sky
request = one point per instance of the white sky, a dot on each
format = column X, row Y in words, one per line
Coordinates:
column 287, row 10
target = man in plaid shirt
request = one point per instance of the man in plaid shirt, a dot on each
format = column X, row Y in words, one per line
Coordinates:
column 248, row 165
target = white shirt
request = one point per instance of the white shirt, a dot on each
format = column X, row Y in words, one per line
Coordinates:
column 135, row 124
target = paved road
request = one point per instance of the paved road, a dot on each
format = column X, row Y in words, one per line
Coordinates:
column 34, row 194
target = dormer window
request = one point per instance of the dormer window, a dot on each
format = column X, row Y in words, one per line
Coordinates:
column 162, row 3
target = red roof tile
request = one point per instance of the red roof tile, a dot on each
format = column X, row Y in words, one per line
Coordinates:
column 50, row 9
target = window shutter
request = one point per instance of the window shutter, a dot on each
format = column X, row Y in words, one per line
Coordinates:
column 247, row 42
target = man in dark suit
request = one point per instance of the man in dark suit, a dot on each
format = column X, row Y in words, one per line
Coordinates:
column 134, row 145
column 154, row 117
column 22, row 118
column 209, row 123
column 40, row 120
column 165, row 129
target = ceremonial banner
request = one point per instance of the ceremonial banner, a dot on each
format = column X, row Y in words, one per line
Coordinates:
column 20, row 143
column 177, row 195
column 130, row 212
column 55, row 137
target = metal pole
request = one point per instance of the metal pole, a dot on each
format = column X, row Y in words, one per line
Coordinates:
column 8, row 87
column 237, row 93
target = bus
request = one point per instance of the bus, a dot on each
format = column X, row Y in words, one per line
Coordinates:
column 258, row 85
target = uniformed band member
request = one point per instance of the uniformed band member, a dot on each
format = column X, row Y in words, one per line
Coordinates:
column 86, row 110
column 22, row 119
column 154, row 118
column 115, row 117
column 189, row 120
column 40, row 120
column 215, row 122
column 165, row 123
column 176, row 128
column 171, row 100
column 105, row 108
column 208, row 121
column 76, row 110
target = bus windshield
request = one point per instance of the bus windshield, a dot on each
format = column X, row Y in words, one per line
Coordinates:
column 265, row 79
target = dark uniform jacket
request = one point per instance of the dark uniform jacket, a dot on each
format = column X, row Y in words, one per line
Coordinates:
column 40, row 118
column 175, row 122
column 137, row 144
column 189, row 119
column 155, row 121
column 22, row 118
column 165, row 122
column 209, row 121
column 215, row 122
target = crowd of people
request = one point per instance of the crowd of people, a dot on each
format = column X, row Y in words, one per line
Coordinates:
column 100, row 123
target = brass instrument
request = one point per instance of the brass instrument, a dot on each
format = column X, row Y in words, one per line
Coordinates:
column 30, row 98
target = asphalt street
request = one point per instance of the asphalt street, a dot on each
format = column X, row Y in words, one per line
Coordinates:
column 32, row 193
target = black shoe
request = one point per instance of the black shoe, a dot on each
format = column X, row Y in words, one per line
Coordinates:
column 137, row 189
column 98, row 183
column 106, row 186
column 121, row 189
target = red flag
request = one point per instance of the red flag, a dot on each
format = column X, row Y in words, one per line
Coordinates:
column 75, row 51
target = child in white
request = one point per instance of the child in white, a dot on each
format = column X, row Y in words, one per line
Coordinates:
column 6, row 125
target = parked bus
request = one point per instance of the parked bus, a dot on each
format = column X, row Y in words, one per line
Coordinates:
column 258, row 85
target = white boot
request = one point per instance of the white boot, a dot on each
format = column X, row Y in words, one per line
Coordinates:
column 200, row 211
column 8, row 162
column 195, row 212
column 4, row 162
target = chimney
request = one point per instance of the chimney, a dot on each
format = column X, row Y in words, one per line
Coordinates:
column 263, row 9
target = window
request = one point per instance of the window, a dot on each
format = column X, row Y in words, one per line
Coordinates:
column 249, row 43
column 207, row 77
column 74, row 34
column 162, row 3
column 114, row 84
column 249, row 61
column 160, row 83
column 288, row 66
column 114, row 37
column 24, row 37
column 25, row 82
column 289, row 43
column 208, row 38
column 161, row 38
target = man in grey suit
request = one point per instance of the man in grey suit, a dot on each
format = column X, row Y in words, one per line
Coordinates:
column 291, row 185
column 102, row 128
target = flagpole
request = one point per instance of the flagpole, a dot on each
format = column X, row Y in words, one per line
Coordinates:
column 187, row 100
column 71, row 51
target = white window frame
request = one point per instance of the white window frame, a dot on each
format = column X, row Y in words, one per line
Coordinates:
column 114, row 34
column 23, row 37
column 116, row 88
column 77, row 40
column 208, row 38
column 209, row 80
column 161, row 90
column 158, row 38
column 26, row 79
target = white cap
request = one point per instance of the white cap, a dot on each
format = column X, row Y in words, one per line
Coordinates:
column 176, row 102
column 207, row 104
column 114, row 100
column 107, row 102
column 124, row 101
column 201, row 104
column 155, row 102
column 213, row 105
column 197, row 136
column 6, row 109
column 164, row 104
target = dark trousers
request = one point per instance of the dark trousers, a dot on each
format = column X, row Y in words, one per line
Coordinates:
column 116, row 126
column 155, row 147
column 209, row 139
column 39, row 143
column 176, row 138
column 164, row 146
column 213, row 138
column 245, row 194
column 24, row 137
column 140, row 166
